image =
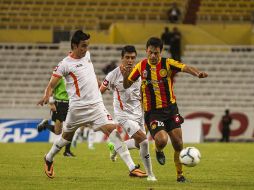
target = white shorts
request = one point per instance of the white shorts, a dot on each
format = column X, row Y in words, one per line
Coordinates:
column 131, row 126
column 95, row 115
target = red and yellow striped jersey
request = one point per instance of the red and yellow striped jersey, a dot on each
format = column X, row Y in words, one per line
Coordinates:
column 157, row 82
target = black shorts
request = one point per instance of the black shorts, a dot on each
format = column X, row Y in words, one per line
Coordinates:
column 61, row 111
column 165, row 119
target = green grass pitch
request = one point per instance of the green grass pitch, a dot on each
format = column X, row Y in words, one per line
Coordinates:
column 223, row 166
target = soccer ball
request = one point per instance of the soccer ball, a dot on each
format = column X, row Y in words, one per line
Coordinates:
column 190, row 156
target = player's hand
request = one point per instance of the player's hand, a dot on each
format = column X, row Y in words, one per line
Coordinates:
column 43, row 101
column 126, row 70
column 202, row 75
column 53, row 107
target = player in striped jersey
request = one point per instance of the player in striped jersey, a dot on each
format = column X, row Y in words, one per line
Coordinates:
column 127, row 108
column 161, row 112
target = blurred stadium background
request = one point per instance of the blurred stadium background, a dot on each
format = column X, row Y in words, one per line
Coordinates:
column 217, row 37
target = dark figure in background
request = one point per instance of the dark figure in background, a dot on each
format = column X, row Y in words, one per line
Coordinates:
column 174, row 13
column 175, row 45
column 166, row 38
column 226, row 122
column 109, row 67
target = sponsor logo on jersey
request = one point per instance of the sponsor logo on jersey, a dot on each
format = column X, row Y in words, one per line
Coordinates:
column 163, row 72
column 144, row 74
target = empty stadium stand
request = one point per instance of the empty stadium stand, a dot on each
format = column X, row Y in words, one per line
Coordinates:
column 25, row 70
column 83, row 14
column 225, row 11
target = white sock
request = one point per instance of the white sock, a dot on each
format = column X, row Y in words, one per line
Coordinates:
column 130, row 143
column 76, row 134
column 56, row 147
column 121, row 149
column 145, row 156
column 91, row 138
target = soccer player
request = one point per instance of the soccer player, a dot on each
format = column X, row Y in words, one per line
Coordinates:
column 127, row 107
column 59, row 105
column 85, row 132
column 85, row 103
column 159, row 103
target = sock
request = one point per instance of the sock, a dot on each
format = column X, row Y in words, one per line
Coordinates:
column 121, row 149
column 178, row 165
column 130, row 143
column 145, row 156
column 68, row 148
column 90, row 138
column 76, row 134
column 51, row 128
column 56, row 147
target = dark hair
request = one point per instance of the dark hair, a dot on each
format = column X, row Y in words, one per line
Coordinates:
column 154, row 41
column 78, row 36
column 128, row 49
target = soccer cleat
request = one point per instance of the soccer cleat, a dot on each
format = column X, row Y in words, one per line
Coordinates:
column 42, row 125
column 181, row 179
column 160, row 157
column 151, row 178
column 113, row 153
column 91, row 147
column 48, row 168
column 136, row 172
column 69, row 154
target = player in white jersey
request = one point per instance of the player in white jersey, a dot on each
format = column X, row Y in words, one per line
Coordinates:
column 127, row 108
column 85, row 103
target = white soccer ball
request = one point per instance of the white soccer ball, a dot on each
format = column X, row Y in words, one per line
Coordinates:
column 190, row 156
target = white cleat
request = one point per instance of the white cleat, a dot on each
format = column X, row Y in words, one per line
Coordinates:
column 91, row 148
column 151, row 178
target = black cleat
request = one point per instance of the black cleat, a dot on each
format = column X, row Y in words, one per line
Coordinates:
column 69, row 154
column 160, row 157
column 42, row 125
column 181, row 179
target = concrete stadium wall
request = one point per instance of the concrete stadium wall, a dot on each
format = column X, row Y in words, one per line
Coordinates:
column 136, row 33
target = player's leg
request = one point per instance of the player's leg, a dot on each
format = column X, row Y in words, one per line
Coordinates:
column 90, row 139
column 130, row 143
column 160, row 140
column 141, row 139
column 44, row 124
column 77, row 134
column 156, row 127
column 177, row 143
column 121, row 149
column 64, row 140
column 136, row 131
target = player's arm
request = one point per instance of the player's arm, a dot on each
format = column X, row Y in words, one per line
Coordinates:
column 103, row 88
column 194, row 71
column 98, row 81
column 49, row 89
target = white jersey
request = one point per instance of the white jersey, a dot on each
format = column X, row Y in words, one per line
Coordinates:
column 127, row 102
column 81, row 82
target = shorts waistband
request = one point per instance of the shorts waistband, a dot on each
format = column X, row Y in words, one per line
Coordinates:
column 62, row 101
